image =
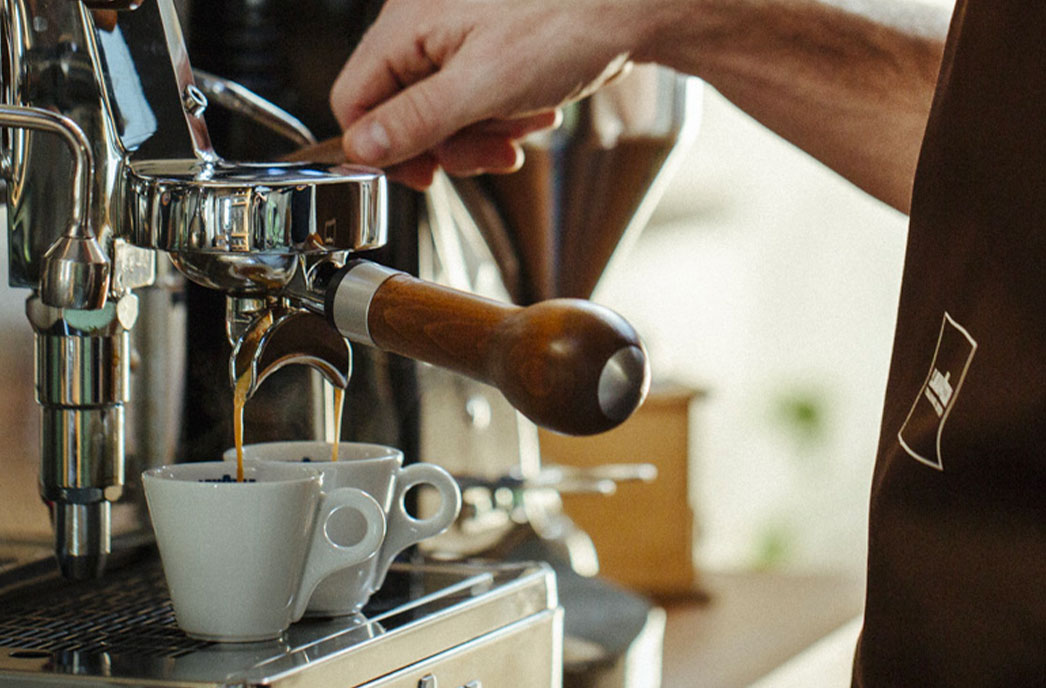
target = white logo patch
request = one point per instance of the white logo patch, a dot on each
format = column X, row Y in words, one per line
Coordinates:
column 921, row 433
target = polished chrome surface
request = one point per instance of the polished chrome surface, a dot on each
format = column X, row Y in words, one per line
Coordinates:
column 130, row 87
column 176, row 56
column 350, row 297
column 92, row 77
column 83, row 165
column 86, row 450
column 78, row 371
column 241, row 227
column 82, row 386
column 240, row 100
column 498, row 624
column 75, row 268
column 155, row 416
column 82, row 537
column 75, row 273
column 52, row 64
column 623, row 382
column 278, row 337
column 113, row 4
column 241, row 312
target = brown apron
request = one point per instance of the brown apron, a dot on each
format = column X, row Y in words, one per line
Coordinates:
column 957, row 546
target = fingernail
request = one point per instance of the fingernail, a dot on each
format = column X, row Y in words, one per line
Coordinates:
column 369, row 143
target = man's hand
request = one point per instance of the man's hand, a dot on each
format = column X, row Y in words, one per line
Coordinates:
column 458, row 83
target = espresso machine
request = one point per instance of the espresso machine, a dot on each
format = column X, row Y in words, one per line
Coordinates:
column 156, row 269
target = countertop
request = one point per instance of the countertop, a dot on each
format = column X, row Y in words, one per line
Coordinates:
column 742, row 626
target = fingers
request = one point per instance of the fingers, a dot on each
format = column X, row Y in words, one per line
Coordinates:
column 425, row 71
column 471, row 154
column 412, row 121
column 489, row 146
column 382, row 65
column 462, row 157
column 417, row 173
column 401, row 93
column 518, row 127
column 412, row 101
column 492, row 145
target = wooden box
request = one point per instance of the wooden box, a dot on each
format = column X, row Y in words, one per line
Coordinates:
column 644, row 532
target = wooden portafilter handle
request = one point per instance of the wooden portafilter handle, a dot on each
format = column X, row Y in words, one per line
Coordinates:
column 567, row 364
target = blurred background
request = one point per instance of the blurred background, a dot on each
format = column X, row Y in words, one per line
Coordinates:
column 771, row 284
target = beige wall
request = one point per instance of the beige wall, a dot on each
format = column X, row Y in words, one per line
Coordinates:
column 21, row 511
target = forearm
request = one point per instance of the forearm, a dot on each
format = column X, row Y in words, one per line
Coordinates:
column 850, row 86
column 435, row 82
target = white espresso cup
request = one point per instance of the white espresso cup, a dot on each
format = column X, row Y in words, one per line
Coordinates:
column 242, row 559
column 377, row 470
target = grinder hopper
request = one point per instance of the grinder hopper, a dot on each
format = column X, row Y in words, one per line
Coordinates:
column 587, row 187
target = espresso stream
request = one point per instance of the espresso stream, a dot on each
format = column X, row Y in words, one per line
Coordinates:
column 239, row 400
column 339, row 402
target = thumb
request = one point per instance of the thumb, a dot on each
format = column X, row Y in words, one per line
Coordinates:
column 413, row 121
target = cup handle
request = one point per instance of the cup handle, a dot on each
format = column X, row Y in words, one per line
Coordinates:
column 403, row 529
column 326, row 556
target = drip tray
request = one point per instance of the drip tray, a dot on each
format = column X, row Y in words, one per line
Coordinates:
column 427, row 619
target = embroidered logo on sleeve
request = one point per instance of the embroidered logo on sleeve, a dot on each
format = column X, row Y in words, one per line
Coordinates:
column 921, row 433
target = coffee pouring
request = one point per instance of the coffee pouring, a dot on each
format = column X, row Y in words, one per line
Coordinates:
column 122, row 96
column 242, row 559
column 379, row 472
column 271, row 235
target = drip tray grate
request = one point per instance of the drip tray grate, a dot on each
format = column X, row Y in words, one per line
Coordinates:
column 128, row 612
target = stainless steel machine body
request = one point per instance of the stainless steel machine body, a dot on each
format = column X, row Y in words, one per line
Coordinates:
column 109, row 380
column 430, row 626
column 110, row 321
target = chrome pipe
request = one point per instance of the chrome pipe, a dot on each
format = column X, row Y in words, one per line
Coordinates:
column 27, row 117
column 82, row 366
column 83, row 533
column 242, row 101
column 75, row 271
